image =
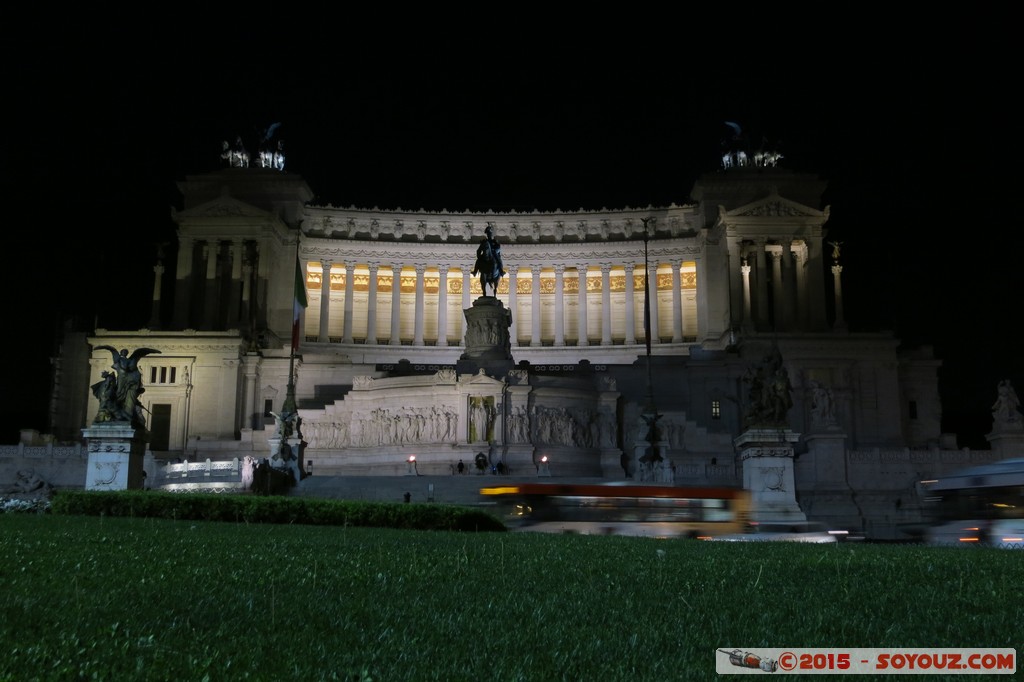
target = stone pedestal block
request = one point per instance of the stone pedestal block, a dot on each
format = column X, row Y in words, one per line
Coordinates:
column 116, row 457
column 487, row 338
column 824, row 464
column 1007, row 440
column 767, row 457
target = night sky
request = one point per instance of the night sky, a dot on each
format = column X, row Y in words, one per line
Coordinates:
column 915, row 133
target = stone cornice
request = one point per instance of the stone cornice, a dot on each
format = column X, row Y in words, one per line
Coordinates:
column 359, row 251
column 514, row 228
column 188, row 342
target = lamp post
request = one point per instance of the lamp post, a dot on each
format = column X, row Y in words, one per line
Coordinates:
column 650, row 413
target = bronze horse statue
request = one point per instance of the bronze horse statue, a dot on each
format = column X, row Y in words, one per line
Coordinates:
column 488, row 262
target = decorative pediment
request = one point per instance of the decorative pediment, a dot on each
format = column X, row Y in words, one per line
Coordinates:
column 773, row 206
column 480, row 380
column 224, row 207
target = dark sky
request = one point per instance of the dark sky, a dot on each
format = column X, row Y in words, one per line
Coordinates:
column 914, row 129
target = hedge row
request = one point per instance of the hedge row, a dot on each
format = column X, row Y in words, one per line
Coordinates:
column 272, row 509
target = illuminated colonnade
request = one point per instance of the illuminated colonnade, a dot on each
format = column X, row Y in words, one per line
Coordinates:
column 550, row 305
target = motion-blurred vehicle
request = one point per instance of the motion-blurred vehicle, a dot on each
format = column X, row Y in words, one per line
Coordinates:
column 654, row 511
column 977, row 506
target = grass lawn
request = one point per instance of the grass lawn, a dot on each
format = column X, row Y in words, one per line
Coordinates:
column 159, row 599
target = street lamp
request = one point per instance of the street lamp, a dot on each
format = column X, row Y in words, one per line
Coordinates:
column 650, row 413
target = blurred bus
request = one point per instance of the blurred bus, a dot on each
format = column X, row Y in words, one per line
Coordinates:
column 657, row 511
column 982, row 505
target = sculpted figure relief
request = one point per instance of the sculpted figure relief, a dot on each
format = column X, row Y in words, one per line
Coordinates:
column 769, row 392
column 823, row 411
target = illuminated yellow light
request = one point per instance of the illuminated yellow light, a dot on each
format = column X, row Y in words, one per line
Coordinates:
column 503, row 490
column 968, row 539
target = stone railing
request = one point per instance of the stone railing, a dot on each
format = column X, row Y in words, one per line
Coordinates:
column 48, row 451
column 205, row 469
column 62, row 466
column 220, row 476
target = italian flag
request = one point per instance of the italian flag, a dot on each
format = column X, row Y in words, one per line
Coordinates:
column 300, row 303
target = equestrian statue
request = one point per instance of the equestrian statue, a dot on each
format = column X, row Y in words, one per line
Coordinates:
column 488, row 262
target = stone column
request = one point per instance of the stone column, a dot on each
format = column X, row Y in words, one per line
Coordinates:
column 761, row 311
column 535, row 303
column 677, row 304
column 234, row 285
column 777, row 297
column 606, row 304
column 816, row 313
column 183, row 283
column 745, row 269
column 261, row 284
column 652, row 287
column 325, row 300
column 371, row 305
column 788, row 286
column 466, row 283
column 252, row 412
column 154, row 313
column 837, row 270
column 245, row 314
column 737, row 260
column 800, row 266
column 417, row 339
column 513, row 306
column 559, row 306
column 442, row 305
column 350, row 286
column 396, row 304
column 581, row 317
column 630, row 305
column 211, row 252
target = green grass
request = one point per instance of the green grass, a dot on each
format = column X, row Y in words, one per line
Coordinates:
column 161, row 599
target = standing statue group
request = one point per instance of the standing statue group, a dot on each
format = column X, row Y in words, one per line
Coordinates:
column 119, row 393
column 1005, row 411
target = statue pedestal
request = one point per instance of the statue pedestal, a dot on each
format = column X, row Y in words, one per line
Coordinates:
column 487, row 339
column 825, row 461
column 116, row 457
column 519, row 458
column 821, row 476
column 767, row 457
column 291, row 460
column 1007, row 440
column 612, row 465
